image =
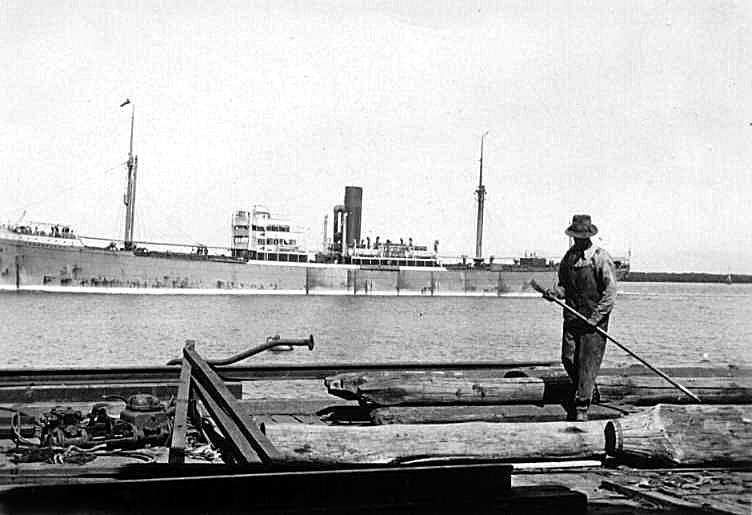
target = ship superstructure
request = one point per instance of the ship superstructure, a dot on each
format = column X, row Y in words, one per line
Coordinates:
column 257, row 235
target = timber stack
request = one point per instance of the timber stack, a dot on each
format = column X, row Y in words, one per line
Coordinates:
column 375, row 429
column 516, row 414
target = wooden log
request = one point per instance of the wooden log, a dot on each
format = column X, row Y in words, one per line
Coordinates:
column 434, row 390
column 684, row 435
column 651, row 390
column 442, row 389
column 453, row 414
column 640, row 370
column 346, row 385
column 400, row 442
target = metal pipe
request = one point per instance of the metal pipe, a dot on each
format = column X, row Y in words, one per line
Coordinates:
column 344, row 234
column 323, row 239
column 271, row 342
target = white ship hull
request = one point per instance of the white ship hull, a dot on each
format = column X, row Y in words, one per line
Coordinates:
column 50, row 264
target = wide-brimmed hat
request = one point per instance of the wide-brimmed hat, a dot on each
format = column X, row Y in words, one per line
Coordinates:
column 581, row 227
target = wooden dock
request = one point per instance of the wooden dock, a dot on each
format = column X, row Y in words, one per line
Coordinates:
column 363, row 448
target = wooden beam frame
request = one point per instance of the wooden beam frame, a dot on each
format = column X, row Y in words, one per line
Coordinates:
column 226, row 411
column 177, row 442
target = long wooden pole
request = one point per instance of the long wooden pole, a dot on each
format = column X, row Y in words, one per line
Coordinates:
column 542, row 291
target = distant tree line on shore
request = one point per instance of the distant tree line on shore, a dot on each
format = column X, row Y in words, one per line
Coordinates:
column 685, row 277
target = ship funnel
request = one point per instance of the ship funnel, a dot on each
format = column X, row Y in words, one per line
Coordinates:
column 353, row 207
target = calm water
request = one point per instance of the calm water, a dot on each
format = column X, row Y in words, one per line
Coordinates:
column 668, row 324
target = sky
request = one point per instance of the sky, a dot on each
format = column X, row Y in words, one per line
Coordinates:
column 637, row 113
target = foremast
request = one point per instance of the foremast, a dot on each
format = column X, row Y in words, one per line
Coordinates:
column 129, row 198
column 481, row 193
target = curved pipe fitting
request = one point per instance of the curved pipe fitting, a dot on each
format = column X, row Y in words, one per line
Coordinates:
column 271, row 341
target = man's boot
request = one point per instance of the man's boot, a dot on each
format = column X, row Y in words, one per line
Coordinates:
column 596, row 395
column 570, row 410
column 581, row 410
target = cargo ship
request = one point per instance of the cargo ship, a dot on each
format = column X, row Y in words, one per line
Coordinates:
column 265, row 256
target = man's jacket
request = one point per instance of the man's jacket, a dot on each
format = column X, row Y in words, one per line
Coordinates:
column 587, row 281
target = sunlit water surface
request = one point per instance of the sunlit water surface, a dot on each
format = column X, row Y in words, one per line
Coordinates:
column 667, row 324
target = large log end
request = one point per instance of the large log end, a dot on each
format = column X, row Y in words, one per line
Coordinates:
column 614, row 438
column 683, row 435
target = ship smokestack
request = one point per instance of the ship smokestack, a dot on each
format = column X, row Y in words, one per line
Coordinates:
column 353, row 207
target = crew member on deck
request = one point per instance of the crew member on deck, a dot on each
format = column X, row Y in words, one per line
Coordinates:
column 587, row 281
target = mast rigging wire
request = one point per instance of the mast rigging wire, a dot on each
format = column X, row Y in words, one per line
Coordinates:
column 58, row 191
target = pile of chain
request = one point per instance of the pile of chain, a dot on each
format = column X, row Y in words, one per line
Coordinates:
column 58, row 456
column 197, row 448
column 70, row 455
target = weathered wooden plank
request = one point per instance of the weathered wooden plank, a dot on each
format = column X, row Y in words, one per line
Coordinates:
column 454, row 414
column 290, row 406
column 684, row 435
column 692, row 500
column 389, row 443
column 177, row 440
column 657, row 497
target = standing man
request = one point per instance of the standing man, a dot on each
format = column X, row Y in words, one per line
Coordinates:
column 587, row 281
